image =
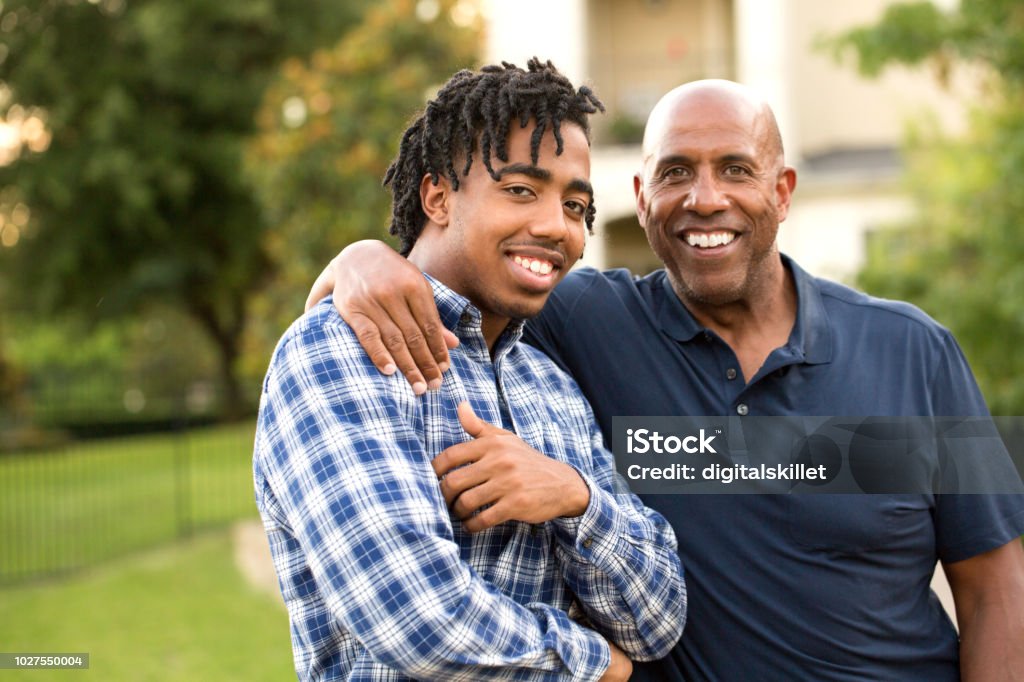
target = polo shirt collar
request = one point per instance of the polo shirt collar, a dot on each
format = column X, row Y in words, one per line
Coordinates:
column 812, row 333
column 810, row 340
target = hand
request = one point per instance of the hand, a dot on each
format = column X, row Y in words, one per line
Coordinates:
column 390, row 306
column 497, row 468
column 620, row 668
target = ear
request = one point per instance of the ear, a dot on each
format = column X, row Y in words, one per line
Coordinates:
column 436, row 199
column 784, row 186
column 641, row 201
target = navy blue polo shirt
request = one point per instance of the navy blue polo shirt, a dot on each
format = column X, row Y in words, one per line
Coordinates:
column 790, row 587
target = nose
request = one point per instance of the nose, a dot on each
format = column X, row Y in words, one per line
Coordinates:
column 705, row 196
column 550, row 222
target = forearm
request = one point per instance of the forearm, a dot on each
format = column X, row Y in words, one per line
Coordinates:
column 992, row 645
column 623, row 567
column 989, row 593
column 471, row 633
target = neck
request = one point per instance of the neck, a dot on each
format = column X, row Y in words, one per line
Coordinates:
column 493, row 327
column 426, row 260
column 756, row 324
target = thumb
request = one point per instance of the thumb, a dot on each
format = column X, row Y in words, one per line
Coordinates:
column 474, row 425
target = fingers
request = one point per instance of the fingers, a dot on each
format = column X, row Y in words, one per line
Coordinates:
column 410, row 331
column 428, row 339
column 369, row 336
column 390, row 305
column 487, row 518
column 456, row 456
column 393, row 339
column 396, row 327
column 465, row 482
column 450, row 340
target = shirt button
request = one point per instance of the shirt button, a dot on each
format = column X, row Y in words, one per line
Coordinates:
column 742, row 409
column 730, row 374
column 587, row 543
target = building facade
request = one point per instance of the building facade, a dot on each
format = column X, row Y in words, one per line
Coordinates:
column 842, row 132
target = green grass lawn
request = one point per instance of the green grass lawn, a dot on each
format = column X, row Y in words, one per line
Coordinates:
column 89, row 501
column 181, row 612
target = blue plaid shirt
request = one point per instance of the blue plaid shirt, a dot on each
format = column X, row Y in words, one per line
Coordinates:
column 382, row 583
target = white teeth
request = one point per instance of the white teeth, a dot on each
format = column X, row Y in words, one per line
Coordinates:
column 536, row 266
column 707, row 241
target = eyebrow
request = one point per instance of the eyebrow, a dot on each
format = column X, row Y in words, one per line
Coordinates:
column 682, row 158
column 538, row 173
column 582, row 186
column 526, row 169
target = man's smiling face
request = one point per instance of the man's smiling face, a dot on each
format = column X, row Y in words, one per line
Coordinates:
column 510, row 241
column 711, row 195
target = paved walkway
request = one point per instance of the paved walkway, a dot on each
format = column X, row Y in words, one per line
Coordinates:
column 252, row 556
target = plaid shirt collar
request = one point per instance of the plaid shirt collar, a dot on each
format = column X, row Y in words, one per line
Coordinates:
column 465, row 320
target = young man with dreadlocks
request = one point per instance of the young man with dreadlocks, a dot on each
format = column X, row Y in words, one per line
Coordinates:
column 445, row 535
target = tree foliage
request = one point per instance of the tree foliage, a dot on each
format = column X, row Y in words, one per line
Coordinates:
column 329, row 127
column 128, row 190
column 962, row 256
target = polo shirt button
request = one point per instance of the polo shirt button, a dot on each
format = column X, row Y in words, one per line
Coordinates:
column 730, row 374
column 742, row 409
column 587, row 543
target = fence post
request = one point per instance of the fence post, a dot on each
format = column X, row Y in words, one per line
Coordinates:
column 182, row 478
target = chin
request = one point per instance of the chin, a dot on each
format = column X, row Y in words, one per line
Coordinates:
column 522, row 310
column 714, row 293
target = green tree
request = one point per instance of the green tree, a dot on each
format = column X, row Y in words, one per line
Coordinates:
column 962, row 256
column 330, row 126
column 128, row 188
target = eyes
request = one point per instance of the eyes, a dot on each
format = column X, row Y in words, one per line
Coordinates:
column 575, row 207
column 732, row 170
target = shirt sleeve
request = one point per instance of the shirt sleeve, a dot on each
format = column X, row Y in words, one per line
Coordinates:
column 340, row 453
column 620, row 560
column 970, row 524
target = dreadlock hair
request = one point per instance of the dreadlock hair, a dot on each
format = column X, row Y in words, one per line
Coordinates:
column 475, row 111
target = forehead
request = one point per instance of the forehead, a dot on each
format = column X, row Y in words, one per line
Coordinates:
column 700, row 125
column 575, row 146
column 574, row 160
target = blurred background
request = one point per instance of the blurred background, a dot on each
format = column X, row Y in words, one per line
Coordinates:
column 175, row 173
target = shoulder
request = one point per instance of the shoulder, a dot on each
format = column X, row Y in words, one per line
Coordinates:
column 847, row 306
column 320, row 349
column 319, row 331
column 604, row 290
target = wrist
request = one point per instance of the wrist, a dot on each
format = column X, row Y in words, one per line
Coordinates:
column 578, row 500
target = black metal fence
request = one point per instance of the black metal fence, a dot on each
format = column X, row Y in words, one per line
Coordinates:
column 88, row 475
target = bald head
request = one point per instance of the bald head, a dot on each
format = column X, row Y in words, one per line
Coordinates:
column 723, row 97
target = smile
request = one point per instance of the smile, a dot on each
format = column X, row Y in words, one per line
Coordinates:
column 534, row 265
column 706, row 240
